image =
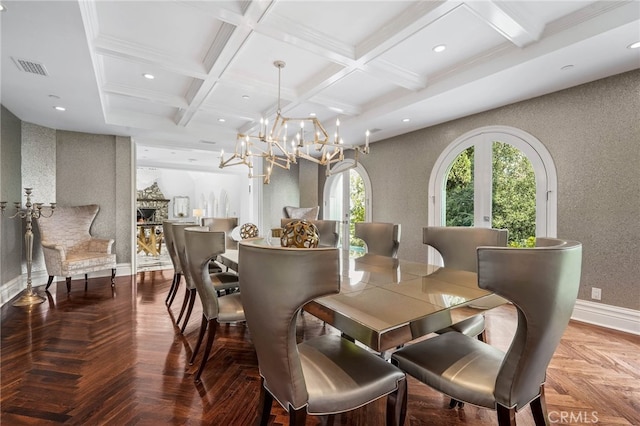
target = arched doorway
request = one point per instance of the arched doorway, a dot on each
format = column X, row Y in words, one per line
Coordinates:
column 501, row 161
column 347, row 197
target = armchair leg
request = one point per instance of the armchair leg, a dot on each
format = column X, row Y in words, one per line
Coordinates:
column 86, row 281
column 397, row 405
column 506, row 416
column 192, row 299
column 49, row 282
column 113, row 277
column 68, row 284
column 483, row 336
column 207, row 350
column 264, row 406
column 539, row 409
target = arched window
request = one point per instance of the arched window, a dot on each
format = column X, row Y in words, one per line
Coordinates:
column 495, row 176
column 347, row 197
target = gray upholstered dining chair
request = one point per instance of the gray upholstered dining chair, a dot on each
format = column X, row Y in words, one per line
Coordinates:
column 225, row 224
column 221, row 281
column 457, row 245
column 324, row 375
column 328, row 231
column 202, row 245
column 167, row 231
column 380, row 238
column 542, row 283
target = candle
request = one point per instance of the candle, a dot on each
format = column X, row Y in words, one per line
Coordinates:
column 302, row 131
column 366, row 139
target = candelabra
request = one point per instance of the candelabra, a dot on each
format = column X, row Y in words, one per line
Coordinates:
column 28, row 213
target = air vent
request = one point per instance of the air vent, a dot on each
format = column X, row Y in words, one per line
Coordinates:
column 372, row 131
column 208, row 142
column 30, row 66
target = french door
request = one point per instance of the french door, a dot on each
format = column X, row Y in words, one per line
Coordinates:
column 498, row 177
column 347, row 198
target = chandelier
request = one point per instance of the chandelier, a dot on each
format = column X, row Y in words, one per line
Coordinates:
column 277, row 147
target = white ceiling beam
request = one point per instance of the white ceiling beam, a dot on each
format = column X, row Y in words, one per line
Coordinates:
column 394, row 74
column 145, row 95
column 226, row 52
column 410, row 21
column 293, row 33
column 414, row 18
column 508, row 19
column 134, row 52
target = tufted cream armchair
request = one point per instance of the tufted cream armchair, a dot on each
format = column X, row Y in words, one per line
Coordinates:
column 68, row 247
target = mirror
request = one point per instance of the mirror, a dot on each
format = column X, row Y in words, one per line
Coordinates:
column 181, row 206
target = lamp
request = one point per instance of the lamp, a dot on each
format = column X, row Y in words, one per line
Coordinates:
column 198, row 213
column 312, row 144
column 31, row 211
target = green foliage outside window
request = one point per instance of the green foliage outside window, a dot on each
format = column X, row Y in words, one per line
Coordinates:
column 357, row 205
column 459, row 189
column 513, row 193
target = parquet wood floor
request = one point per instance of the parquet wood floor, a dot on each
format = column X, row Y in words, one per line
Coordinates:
column 115, row 358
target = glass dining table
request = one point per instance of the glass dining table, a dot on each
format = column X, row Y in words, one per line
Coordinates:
column 385, row 302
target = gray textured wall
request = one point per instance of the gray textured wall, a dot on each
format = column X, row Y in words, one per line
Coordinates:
column 39, row 173
column 308, row 184
column 282, row 191
column 96, row 169
column 593, row 134
column 11, row 250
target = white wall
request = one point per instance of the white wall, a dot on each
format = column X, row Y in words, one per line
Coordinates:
column 204, row 189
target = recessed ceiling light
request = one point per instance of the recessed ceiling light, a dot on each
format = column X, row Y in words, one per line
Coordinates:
column 148, row 76
column 59, row 108
column 634, row 45
column 221, row 120
column 439, row 48
column 2, row 8
column 312, row 114
column 567, row 67
column 406, row 120
column 245, row 97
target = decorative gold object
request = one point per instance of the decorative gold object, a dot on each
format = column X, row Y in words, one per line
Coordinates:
column 28, row 213
column 248, row 230
column 276, row 232
column 278, row 148
column 300, row 234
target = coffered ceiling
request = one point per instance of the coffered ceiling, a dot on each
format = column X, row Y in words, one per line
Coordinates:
column 372, row 64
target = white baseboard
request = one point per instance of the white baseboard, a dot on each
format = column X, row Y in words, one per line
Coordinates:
column 11, row 288
column 614, row 317
column 39, row 278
